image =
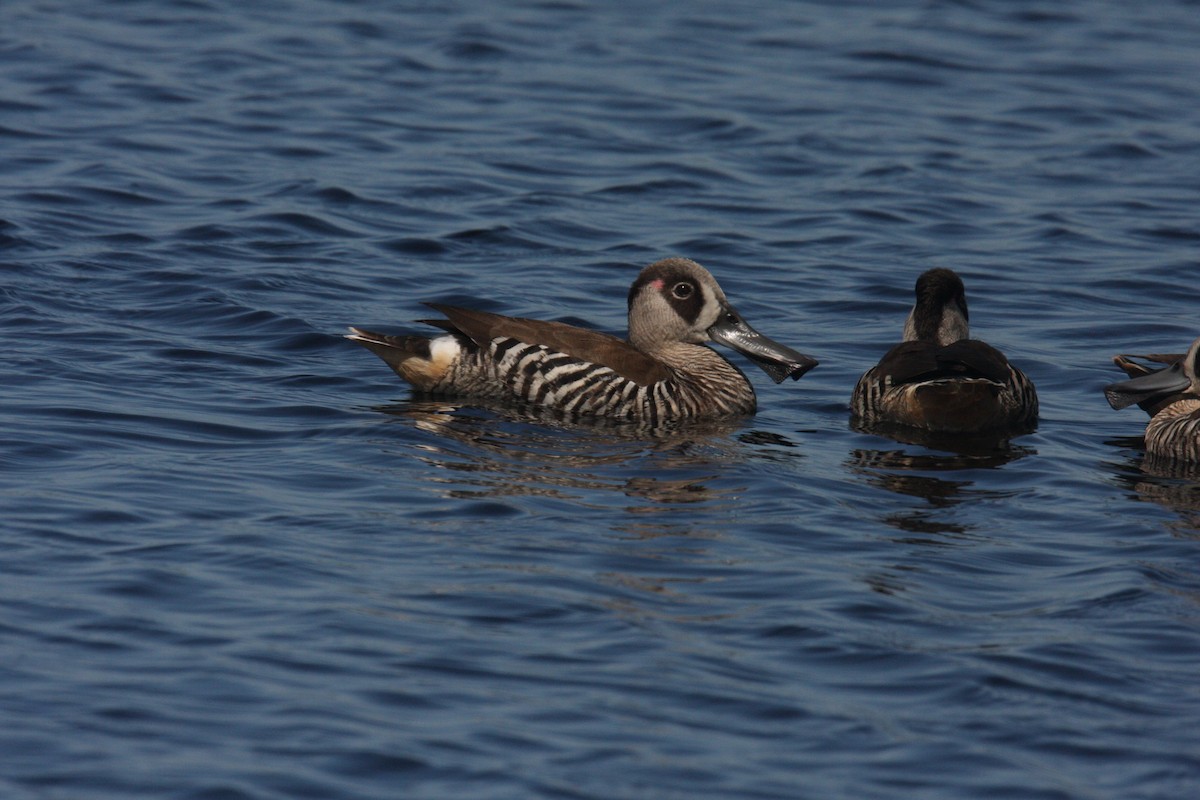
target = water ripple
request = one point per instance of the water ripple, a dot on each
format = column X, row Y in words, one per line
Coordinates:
column 241, row 560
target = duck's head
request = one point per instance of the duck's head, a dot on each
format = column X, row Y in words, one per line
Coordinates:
column 677, row 300
column 940, row 312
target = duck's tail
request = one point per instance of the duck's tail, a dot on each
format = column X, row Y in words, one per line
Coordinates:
column 421, row 361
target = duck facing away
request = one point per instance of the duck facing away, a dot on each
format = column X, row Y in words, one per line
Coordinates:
column 940, row 380
column 1171, row 395
column 663, row 372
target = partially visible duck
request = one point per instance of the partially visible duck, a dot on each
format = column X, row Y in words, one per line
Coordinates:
column 664, row 371
column 937, row 379
column 1171, row 395
column 1134, row 369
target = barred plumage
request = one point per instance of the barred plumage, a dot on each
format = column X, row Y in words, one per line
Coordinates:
column 664, row 371
column 1175, row 432
column 1171, row 395
column 937, row 379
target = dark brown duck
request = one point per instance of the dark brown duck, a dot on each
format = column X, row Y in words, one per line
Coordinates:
column 938, row 379
column 664, row 371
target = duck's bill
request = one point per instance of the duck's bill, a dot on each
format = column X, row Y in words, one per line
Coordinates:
column 1148, row 387
column 773, row 358
column 1134, row 369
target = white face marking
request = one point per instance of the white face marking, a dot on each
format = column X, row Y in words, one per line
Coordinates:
column 710, row 312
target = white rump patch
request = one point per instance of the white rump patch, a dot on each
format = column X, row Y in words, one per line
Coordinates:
column 442, row 352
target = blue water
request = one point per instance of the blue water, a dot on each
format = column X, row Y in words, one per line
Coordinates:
column 239, row 560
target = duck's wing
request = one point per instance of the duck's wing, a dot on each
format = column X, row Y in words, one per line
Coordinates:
column 911, row 362
column 594, row 347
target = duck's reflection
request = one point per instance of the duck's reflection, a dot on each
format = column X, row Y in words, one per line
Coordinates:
column 509, row 451
column 1171, row 483
column 671, row 488
column 925, row 467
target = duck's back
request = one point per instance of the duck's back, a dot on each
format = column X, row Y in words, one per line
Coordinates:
column 967, row 385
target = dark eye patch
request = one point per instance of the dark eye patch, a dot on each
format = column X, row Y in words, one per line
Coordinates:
column 685, row 299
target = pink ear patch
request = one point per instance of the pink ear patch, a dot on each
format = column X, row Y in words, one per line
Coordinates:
column 657, row 284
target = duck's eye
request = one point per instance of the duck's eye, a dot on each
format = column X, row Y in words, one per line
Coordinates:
column 682, row 291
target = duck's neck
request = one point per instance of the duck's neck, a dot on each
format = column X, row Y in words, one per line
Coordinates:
column 691, row 359
column 704, row 375
column 1187, row 405
column 944, row 325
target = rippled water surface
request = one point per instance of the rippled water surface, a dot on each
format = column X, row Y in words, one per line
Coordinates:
column 239, row 560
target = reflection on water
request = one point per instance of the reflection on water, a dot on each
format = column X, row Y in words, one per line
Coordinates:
column 669, row 484
column 906, row 471
column 1173, row 484
column 506, row 451
column 961, row 450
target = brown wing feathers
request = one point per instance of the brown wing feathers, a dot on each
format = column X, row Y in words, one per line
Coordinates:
column 909, row 362
column 594, row 347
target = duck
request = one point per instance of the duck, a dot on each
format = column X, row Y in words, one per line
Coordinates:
column 1170, row 395
column 938, row 379
column 664, row 371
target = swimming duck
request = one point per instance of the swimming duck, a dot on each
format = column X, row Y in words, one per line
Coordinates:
column 664, row 371
column 1171, row 395
column 937, row 379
